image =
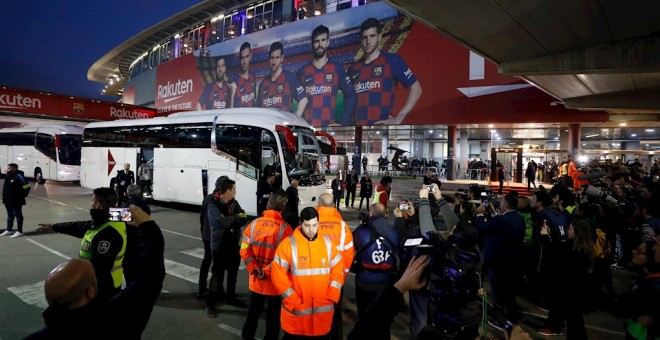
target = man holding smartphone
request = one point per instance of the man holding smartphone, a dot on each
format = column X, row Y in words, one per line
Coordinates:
column 103, row 242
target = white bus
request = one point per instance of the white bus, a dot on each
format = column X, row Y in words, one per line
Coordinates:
column 43, row 152
column 188, row 151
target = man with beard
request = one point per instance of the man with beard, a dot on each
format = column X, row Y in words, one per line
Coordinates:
column 216, row 94
column 321, row 79
column 278, row 89
column 374, row 77
column 244, row 83
column 103, row 242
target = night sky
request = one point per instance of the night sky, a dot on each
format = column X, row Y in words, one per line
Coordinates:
column 49, row 45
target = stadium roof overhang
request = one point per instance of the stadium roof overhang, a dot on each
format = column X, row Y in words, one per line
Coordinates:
column 116, row 63
column 601, row 55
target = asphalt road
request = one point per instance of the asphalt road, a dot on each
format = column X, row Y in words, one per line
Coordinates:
column 25, row 262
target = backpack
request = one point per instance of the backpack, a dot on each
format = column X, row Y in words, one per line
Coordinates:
column 558, row 221
column 386, row 245
column 25, row 188
column 601, row 246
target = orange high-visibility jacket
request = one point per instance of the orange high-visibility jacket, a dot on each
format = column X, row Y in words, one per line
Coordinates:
column 308, row 275
column 260, row 240
column 333, row 226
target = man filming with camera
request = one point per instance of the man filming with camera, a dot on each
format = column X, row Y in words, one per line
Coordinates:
column 503, row 240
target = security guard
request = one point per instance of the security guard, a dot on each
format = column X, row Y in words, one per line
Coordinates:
column 103, row 242
column 332, row 225
column 307, row 272
column 260, row 239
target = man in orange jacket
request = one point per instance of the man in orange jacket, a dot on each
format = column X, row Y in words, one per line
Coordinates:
column 260, row 240
column 332, row 225
column 307, row 272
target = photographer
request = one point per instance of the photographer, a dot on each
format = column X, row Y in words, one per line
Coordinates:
column 376, row 244
column 382, row 311
column 503, row 235
column 419, row 300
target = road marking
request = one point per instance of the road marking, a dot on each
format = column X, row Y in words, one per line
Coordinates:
column 182, row 271
column 57, row 202
column 51, row 250
column 180, row 234
column 199, row 253
column 195, row 252
column 231, row 330
column 32, row 294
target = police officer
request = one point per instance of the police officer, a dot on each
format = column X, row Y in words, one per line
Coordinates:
column 103, row 242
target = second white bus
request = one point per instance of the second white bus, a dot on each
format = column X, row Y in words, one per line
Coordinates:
column 43, row 152
column 188, row 151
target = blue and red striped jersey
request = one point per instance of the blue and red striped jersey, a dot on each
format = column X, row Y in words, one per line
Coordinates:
column 279, row 93
column 246, row 90
column 375, row 84
column 321, row 87
column 214, row 96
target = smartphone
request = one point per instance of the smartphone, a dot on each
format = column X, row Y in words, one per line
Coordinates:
column 484, row 194
column 403, row 205
column 120, row 215
column 431, row 188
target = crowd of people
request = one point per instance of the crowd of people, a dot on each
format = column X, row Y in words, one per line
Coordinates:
column 557, row 247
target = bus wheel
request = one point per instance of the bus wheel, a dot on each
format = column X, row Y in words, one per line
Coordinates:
column 38, row 176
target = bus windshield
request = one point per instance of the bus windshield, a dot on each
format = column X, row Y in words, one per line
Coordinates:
column 304, row 165
column 70, row 148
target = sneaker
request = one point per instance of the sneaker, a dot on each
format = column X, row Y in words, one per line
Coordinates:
column 549, row 331
column 6, row 233
column 211, row 312
column 17, row 234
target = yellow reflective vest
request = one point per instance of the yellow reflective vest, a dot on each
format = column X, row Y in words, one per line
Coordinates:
column 86, row 249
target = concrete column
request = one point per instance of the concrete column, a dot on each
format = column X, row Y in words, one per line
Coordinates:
column 385, row 143
column 357, row 151
column 484, row 153
column 465, row 151
column 451, row 152
column 563, row 140
column 632, row 146
column 574, row 139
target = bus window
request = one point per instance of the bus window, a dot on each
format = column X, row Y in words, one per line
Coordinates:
column 46, row 145
column 70, row 149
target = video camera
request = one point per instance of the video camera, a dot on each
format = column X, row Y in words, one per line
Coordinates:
column 453, row 277
column 599, row 194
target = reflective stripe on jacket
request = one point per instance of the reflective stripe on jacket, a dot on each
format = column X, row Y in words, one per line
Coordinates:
column 260, row 240
column 308, row 275
column 333, row 226
column 86, row 251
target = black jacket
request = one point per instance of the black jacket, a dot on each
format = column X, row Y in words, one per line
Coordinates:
column 131, row 307
column 127, row 178
column 225, row 225
column 12, row 189
column 290, row 213
column 102, row 261
column 366, row 187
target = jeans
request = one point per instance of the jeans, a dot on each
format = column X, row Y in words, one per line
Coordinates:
column 272, row 316
column 228, row 260
column 204, row 268
column 350, row 191
column 362, row 199
column 14, row 211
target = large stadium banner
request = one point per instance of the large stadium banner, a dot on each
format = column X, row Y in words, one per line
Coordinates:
column 39, row 104
column 367, row 65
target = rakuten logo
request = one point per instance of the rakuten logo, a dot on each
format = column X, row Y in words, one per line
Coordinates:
column 172, row 91
column 270, row 101
column 366, row 86
column 318, row 89
column 247, row 98
column 127, row 114
column 18, row 102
